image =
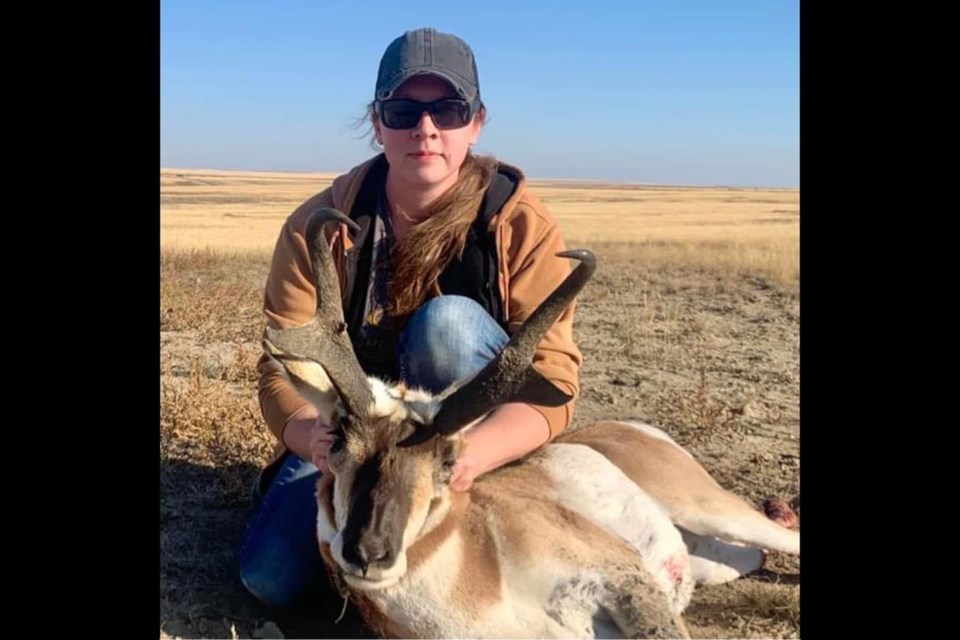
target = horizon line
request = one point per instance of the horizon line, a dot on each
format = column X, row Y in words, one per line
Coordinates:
column 682, row 185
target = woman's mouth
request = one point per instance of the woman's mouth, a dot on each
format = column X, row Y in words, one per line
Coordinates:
column 423, row 155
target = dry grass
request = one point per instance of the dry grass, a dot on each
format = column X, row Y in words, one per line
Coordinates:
column 217, row 294
column 734, row 230
column 230, row 210
column 749, row 610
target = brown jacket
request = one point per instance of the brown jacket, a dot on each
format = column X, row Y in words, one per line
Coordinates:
column 527, row 237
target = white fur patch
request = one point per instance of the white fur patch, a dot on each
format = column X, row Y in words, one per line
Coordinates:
column 412, row 602
column 400, row 402
column 326, row 530
column 575, row 605
column 715, row 562
column 588, row 483
column 741, row 525
column 387, row 399
column 424, row 403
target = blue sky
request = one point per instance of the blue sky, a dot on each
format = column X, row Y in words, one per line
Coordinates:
column 655, row 91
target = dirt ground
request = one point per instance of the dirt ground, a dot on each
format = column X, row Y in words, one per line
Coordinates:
column 711, row 356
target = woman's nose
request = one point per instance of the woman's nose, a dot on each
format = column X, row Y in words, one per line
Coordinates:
column 426, row 126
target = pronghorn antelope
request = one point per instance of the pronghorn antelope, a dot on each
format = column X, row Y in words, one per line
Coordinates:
column 603, row 532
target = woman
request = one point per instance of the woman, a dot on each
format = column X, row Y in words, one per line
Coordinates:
column 453, row 253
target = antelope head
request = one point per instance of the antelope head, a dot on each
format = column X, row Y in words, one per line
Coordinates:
column 394, row 448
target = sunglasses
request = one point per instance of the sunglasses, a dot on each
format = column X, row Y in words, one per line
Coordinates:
column 449, row 113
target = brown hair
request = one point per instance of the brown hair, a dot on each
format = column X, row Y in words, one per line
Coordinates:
column 428, row 247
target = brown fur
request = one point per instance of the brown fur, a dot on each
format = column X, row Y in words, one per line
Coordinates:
column 479, row 588
column 478, row 582
column 429, row 544
column 544, row 523
column 512, row 490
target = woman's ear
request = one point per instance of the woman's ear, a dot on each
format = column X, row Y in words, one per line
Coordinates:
column 477, row 125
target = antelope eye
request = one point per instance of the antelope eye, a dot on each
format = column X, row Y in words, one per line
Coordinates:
column 337, row 445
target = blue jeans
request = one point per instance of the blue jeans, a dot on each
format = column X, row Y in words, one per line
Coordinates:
column 448, row 339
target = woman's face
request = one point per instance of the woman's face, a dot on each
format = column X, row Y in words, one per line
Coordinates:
column 426, row 157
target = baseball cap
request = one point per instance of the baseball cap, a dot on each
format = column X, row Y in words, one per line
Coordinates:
column 428, row 52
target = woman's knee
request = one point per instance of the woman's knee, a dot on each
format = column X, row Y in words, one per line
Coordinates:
column 453, row 316
column 448, row 339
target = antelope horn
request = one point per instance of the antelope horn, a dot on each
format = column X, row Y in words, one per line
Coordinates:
column 510, row 376
column 325, row 339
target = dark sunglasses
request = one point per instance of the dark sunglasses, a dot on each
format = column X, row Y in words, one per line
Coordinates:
column 449, row 113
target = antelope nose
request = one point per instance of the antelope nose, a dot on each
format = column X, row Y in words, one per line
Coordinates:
column 375, row 552
column 365, row 554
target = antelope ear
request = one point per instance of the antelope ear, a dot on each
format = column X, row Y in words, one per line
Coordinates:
column 415, row 433
column 309, row 379
column 449, row 449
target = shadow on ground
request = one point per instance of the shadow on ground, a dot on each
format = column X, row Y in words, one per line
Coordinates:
column 202, row 519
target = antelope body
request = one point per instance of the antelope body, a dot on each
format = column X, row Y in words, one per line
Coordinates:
column 602, row 533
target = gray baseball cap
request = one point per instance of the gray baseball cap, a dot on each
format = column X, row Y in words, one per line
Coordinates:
column 428, row 52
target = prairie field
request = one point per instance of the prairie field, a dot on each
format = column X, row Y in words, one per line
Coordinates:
column 691, row 323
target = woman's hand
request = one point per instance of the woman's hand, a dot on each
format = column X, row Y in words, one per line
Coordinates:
column 308, row 436
column 464, row 472
column 321, row 438
column 512, row 431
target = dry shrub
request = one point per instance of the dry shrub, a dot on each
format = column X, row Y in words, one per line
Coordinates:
column 218, row 296
column 214, row 422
